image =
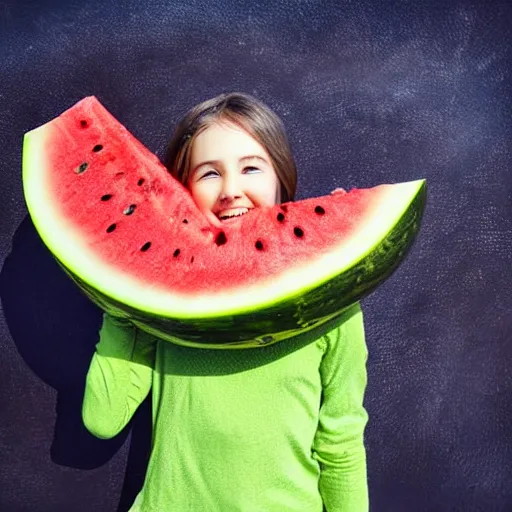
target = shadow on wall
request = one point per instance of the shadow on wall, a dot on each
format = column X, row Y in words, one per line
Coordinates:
column 55, row 329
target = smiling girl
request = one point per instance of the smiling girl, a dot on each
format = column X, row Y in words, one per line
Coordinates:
column 271, row 429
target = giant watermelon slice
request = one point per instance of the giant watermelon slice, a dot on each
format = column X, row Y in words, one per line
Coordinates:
column 132, row 238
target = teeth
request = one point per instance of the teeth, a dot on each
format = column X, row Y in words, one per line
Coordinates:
column 234, row 213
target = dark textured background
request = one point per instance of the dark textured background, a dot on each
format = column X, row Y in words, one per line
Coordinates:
column 370, row 92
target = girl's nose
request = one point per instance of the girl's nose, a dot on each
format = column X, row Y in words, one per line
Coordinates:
column 231, row 189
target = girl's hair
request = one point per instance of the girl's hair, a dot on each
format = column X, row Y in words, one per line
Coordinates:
column 249, row 114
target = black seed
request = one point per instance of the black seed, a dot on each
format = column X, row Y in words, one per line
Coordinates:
column 111, row 228
column 176, row 253
column 130, row 209
column 140, row 182
column 280, row 217
column 145, row 247
column 221, row 238
column 319, row 210
column 97, row 148
column 81, row 168
column 192, row 259
column 259, row 245
column 83, row 123
column 298, row 232
column 106, row 197
column 185, row 221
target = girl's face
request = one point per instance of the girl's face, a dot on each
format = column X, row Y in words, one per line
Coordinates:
column 230, row 173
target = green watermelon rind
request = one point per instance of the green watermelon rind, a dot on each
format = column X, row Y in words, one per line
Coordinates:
column 121, row 288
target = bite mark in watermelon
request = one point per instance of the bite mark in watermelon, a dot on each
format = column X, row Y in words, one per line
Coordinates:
column 133, row 239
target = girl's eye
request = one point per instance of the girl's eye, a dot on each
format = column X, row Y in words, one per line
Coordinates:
column 251, row 169
column 209, row 174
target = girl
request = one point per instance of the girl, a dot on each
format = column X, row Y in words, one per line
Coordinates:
column 271, row 429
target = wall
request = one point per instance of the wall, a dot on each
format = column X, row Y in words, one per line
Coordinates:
column 370, row 92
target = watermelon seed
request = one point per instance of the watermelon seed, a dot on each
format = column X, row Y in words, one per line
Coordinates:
column 130, row 209
column 265, row 339
column 185, row 221
column 140, row 182
column 298, row 232
column 221, row 238
column 81, row 168
column 319, row 210
column 192, row 259
column 145, row 247
column 106, row 197
column 83, row 123
column 111, row 228
column 97, row 148
column 280, row 217
column 284, row 208
column 176, row 253
column 259, row 245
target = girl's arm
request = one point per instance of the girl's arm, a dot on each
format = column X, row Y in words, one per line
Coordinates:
column 338, row 444
column 119, row 377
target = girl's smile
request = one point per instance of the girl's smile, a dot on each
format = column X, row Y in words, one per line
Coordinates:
column 230, row 173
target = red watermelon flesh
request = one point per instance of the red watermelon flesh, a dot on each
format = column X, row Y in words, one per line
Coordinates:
column 120, row 223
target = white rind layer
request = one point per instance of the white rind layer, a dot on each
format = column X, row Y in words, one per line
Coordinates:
column 59, row 235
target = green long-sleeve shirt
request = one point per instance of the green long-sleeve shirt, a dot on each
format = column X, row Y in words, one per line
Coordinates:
column 271, row 429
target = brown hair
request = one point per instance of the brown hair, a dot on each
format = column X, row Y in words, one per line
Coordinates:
column 251, row 115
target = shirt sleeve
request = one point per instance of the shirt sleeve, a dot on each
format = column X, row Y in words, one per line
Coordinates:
column 339, row 445
column 119, row 377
